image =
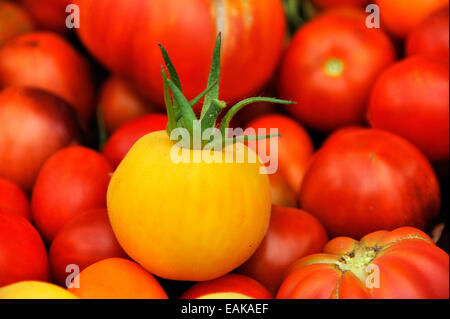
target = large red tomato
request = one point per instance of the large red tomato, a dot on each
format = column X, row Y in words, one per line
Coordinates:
column 33, row 125
column 404, row 263
column 14, row 20
column 330, row 67
column 363, row 180
column 49, row 14
column 124, row 36
column 47, row 61
column 292, row 234
column 13, row 199
column 326, row 4
column 84, row 240
column 411, row 99
column 22, row 251
column 71, row 182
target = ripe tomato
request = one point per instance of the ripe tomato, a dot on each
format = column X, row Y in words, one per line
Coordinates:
column 411, row 99
column 404, row 263
column 49, row 14
column 330, row 67
column 123, row 139
column 364, row 180
column 71, row 182
column 431, row 36
column 33, row 125
column 400, row 17
column 22, row 252
column 34, row 290
column 281, row 193
column 13, row 199
column 231, row 286
column 326, row 4
column 47, row 61
column 254, row 34
column 14, row 20
column 84, row 240
column 117, row 278
column 292, row 234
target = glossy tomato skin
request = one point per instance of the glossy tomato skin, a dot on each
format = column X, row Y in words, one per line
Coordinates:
column 49, row 14
column 411, row 99
column 14, row 20
column 13, row 199
column 231, row 286
column 364, row 180
column 71, row 182
column 292, row 234
column 346, row 269
column 326, row 4
column 47, row 61
column 123, row 139
column 330, row 67
column 22, row 252
column 117, row 278
column 253, row 38
column 46, row 124
column 84, row 240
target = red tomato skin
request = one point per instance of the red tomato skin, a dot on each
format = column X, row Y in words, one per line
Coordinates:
column 14, row 20
column 56, row 67
column 281, row 193
column 292, row 234
column 231, row 283
column 49, row 14
column 326, row 4
column 411, row 99
column 71, row 182
column 46, row 124
column 123, row 139
column 431, row 36
column 13, row 199
column 22, row 252
column 330, row 67
column 363, row 180
column 84, row 240
column 253, row 38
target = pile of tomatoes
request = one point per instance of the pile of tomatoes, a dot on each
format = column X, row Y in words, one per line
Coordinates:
column 92, row 204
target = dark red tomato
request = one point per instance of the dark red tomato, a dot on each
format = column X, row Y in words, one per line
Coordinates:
column 330, row 67
column 124, row 37
column 363, row 180
column 13, row 199
column 431, row 36
column 72, row 181
column 14, row 20
column 124, row 138
column 47, row 61
column 49, row 14
column 34, row 124
column 84, row 240
column 411, row 99
column 282, row 194
column 326, row 4
column 22, row 251
column 292, row 234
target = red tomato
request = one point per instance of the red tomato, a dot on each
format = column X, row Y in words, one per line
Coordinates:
column 364, row 180
column 22, row 251
column 13, row 199
column 123, row 139
column 400, row 17
column 84, row 240
column 231, row 286
column 330, row 67
column 33, row 125
column 431, row 36
column 71, row 182
column 404, row 263
column 411, row 99
column 292, row 234
column 253, row 39
column 14, row 20
column 47, row 61
column 282, row 194
column 49, row 14
column 326, row 4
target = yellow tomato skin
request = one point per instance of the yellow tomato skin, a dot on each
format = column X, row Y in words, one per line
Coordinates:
column 188, row 221
column 34, row 290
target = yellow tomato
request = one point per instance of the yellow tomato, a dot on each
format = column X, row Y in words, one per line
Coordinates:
column 34, row 290
column 189, row 221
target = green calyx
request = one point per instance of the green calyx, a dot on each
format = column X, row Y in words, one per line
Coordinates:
column 180, row 110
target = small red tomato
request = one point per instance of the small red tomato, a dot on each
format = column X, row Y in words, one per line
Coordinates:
column 22, row 252
column 326, row 4
column 330, row 67
column 124, row 138
column 231, row 286
column 363, row 180
column 411, row 99
column 49, row 14
column 292, row 234
column 13, row 199
column 14, row 20
column 84, row 240
column 71, row 182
